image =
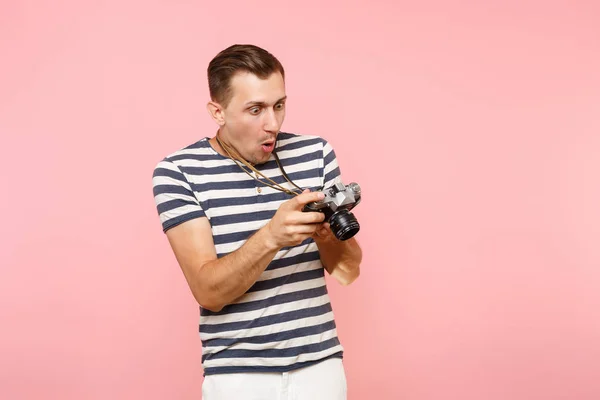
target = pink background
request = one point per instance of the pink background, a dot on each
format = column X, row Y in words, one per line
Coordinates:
column 474, row 130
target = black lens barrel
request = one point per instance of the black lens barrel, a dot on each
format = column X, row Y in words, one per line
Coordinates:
column 344, row 225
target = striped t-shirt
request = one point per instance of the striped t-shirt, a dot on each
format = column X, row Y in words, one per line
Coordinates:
column 285, row 320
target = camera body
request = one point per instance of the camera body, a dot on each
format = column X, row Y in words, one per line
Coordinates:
column 339, row 200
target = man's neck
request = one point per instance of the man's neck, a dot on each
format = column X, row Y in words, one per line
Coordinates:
column 219, row 149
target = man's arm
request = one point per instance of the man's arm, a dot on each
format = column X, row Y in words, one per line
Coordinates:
column 216, row 282
column 341, row 259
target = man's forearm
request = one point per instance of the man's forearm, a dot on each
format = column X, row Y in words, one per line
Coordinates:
column 341, row 259
column 222, row 281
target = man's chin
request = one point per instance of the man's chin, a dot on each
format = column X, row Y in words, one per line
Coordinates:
column 260, row 160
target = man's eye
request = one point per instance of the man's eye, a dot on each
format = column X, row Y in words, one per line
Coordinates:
column 254, row 110
column 279, row 106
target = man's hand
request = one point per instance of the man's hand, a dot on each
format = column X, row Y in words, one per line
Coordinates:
column 290, row 225
column 340, row 258
column 324, row 233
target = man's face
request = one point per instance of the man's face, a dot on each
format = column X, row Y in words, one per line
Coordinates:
column 254, row 115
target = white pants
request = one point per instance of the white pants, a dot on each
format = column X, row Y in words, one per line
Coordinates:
column 323, row 381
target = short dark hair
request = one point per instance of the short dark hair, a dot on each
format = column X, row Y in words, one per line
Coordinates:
column 238, row 58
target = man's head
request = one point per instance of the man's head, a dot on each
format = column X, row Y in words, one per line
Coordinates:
column 247, row 91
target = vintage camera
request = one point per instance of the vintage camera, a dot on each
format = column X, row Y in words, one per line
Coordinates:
column 339, row 200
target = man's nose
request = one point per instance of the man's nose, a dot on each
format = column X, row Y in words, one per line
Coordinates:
column 271, row 120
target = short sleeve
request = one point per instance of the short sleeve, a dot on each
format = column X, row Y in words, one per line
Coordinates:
column 173, row 196
column 331, row 170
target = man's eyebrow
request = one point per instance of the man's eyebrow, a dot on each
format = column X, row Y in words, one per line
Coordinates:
column 262, row 103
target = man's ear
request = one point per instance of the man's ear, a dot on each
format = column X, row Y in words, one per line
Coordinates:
column 216, row 111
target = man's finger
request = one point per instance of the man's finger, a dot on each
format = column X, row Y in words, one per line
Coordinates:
column 307, row 197
column 310, row 217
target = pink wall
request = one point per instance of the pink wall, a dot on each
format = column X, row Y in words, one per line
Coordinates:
column 474, row 131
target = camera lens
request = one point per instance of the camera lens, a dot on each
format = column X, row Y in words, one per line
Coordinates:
column 344, row 224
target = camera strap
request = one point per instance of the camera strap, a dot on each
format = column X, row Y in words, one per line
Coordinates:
column 235, row 156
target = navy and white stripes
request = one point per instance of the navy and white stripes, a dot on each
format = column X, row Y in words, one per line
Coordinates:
column 285, row 320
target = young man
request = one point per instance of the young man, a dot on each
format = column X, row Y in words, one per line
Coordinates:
column 231, row 207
